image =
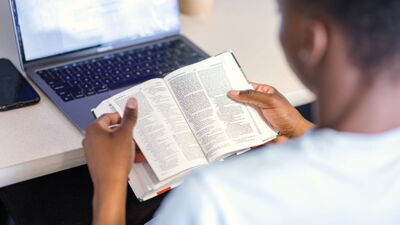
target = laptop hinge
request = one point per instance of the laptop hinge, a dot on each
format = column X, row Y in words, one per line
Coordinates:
column 89, row 53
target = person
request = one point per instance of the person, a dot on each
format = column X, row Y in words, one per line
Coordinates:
column 345, row 171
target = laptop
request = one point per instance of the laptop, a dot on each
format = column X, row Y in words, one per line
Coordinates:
column 82, row 52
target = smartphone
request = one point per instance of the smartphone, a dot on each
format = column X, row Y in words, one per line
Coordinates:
column 15, row 91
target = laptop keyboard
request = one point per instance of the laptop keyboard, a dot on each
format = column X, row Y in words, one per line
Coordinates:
column 110, row 72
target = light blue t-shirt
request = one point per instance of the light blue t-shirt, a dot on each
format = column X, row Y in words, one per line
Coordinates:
column 325, row 177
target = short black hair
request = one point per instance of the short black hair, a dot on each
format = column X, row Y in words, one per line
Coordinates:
column 371, row 26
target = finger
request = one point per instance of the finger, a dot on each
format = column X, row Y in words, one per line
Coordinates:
column 263, row 88
column 281, row 139
column 83, row 142
column 139, row 158
column 252, row 97
column 255, row 85
column 130, row 116
column 108, row 120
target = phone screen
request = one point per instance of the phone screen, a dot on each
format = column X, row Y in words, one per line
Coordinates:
column 15, row 91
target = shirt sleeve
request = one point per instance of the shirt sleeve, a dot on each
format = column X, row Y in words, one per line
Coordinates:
column 191, row 203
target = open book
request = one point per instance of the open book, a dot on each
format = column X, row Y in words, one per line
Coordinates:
column 186, row 120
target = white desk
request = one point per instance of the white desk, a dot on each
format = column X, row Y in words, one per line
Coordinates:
column 39, row 140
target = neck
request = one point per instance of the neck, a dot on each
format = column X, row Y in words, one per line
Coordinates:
column 357, row 107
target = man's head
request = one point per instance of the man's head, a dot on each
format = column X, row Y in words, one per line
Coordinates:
column 313, row 32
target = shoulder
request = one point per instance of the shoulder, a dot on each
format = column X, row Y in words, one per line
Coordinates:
column 282, row 171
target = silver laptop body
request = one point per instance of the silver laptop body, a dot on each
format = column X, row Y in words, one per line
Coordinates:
column 59, row 36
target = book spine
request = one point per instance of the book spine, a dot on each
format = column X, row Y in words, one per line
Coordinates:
column 155, row 194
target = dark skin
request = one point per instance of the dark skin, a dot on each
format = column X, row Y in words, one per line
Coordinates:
column 317, row 50
column 275, row 108
column 110, row 153
column 346, row 100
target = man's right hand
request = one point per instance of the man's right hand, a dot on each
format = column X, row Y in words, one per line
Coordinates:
column 275, row 108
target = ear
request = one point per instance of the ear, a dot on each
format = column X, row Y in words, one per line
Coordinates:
column 315, row 45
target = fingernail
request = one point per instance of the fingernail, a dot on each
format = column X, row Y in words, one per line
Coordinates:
column 131, row 103
column 233, row 92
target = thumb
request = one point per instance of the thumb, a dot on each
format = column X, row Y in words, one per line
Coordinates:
column 130, row 115
column 262, row 100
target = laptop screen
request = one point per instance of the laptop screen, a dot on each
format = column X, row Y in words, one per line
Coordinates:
column 53, row 27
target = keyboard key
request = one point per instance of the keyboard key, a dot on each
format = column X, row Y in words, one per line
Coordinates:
column 86, row 87
column 101, row 89
column 62, row 92
column 77, row 93
column 86, row 80
column 118, row 79
column 107, row 81
column 97, row 84
column 118, row 70
column 60, row 86
column 67, row 98
column 89, row 92
column 74, row 83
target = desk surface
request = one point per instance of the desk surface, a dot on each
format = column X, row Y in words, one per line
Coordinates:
column 38, row 140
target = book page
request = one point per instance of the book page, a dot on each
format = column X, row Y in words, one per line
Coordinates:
column 143, row 175
column 145, row 184
column 220, row 125
column 161, row 131
column 103, row 108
